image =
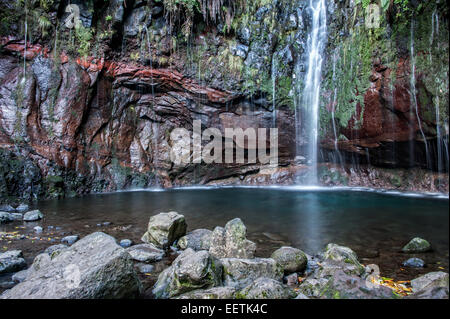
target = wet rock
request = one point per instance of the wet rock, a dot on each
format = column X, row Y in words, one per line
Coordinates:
column 239, row 50
column 190, row 271
column 38, row 229
column 135, row 21
column 344, row 286
column 291, row 259
column 212, row 293
column 266, row 288
column 16, row 216
column 11, row 261
column 231, row 242
column 55, row 249
column 22, row 208
column 417, row 245
column 7, row 284
column 70, row 239
column 7, row 208
column 5, row 218
column 125, row 243
column 94, row 267
column 430, row 280
column 145, row 268
column 342, row 254
column 291, row 280
column 20, row 276
column 199, row 239
column 431, row 293
column 241, row 272
column 147, row 253
column 33, row 215
column 414, row 263
column 164, row 229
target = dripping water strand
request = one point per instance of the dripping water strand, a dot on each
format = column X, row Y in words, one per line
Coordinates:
column 413, row 94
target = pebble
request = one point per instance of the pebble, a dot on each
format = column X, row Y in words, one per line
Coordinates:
column 38, row 229
column 414, row 263
column 125, row 243
column 70, row 239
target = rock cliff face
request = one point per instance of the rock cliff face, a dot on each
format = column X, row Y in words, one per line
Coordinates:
column 91, row 108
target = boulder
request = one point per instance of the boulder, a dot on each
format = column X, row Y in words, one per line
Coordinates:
column 211, row 293
column 146, row 253
column 344, row 254
column 312, row 287
column 5, row 218
column 16, row 216
column 94, row 267
column 33, row 215
column 231, row 242
column 414, row 263
column 266, row 288
column 189, row 271
column 7, row 208
column 417, row 245
column 291, row 259
column 241, row 272
column 164, row 229
column 430, row 280
column 11, row 261
column 145, row 268
column 199, row 239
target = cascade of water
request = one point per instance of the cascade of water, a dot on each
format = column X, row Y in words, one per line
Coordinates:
column 414, row 95
column 333, row 110
column 311, row 92
column 25, row 49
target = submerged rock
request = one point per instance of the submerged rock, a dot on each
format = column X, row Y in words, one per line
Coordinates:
column 164, row 229
column 211, row 293
column 266, row 288
column 16, row 216
column 146, row 253
column 11, row 261
column 414, row 263
column 241, row 272
column 33, row 215
column 199, row 239
column 291, row 259
column 417, row 245
column 231, row 241
column 189, row 271
column 94, row 267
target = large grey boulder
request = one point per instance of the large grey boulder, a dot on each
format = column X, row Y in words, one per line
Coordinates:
column 211, row 293
column 146, row 253
column 430, row 281
column 199, row 239
column 343, row 254
column 164, row 229
column 11, row 261
column 5, row 218
column 190, row 271
column 241, row 272
column 231, row 241
column 291, row 259
column 417, row 245
column 20, row 276
column 33, row 215
column 266, row 288
column 94, row 267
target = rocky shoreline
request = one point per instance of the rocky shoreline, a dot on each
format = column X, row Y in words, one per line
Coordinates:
column 204, row 264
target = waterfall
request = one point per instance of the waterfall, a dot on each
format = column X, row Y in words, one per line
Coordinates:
column 333, row 110
column 274, row 79
column 414, row 97
column 311, row 92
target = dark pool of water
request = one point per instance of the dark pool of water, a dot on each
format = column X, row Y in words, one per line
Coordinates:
column 375, row 225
